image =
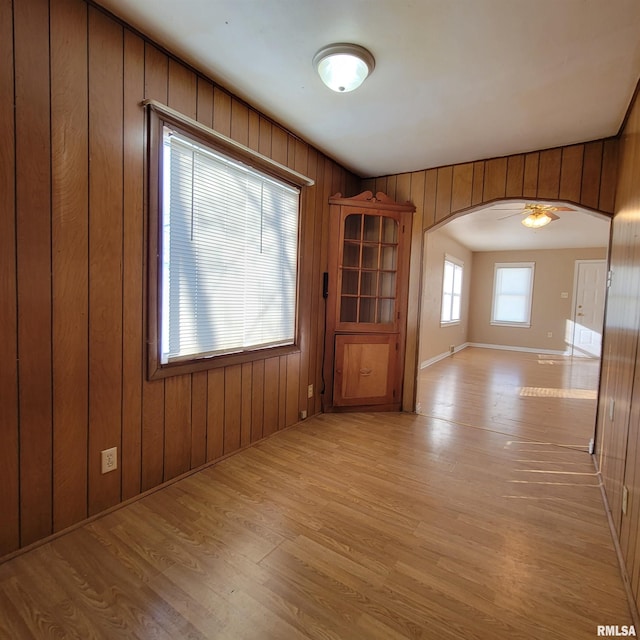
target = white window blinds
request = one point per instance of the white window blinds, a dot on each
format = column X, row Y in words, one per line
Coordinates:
column 512, row 292
column 229, row 254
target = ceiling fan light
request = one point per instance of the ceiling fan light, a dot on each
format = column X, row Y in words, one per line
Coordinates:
column 343, row 67
column 536, row 220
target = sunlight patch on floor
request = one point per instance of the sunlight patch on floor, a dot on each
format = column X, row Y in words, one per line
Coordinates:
column 546, row 392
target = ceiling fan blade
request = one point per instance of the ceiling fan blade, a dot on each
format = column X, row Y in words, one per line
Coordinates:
column 511, row 215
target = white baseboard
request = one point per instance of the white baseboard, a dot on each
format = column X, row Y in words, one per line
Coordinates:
column 427, row 363
column 505, row 347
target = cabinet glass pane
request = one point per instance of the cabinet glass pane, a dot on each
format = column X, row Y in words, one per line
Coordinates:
column 371, row 228
column 388, row 284
column 350, row 282
column 388, row 258
column 385, row 310
column 368, row 283
column 370, row 256
column 348, row 309
column 351, row 254
column 389, row 230
column 352, row 226
column 367, row 310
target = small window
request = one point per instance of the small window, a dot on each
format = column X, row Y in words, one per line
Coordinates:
column 227, row 237
column 451, row 290
column 512, row 293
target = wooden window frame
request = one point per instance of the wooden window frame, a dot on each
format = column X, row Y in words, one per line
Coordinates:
column 157, row 116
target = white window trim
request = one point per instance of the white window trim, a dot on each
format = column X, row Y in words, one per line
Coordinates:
column 513, row 265
column 459, row 263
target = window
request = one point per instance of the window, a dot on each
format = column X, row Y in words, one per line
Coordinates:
column 225, row 280
column 451, row 290
column 512, row 293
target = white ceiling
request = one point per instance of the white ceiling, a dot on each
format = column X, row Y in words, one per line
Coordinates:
column 455, row 81
column 499, row 228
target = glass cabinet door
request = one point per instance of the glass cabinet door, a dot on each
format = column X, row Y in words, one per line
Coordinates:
column 369, row 269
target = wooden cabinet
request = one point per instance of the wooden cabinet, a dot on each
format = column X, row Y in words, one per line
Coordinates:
column 366, row 301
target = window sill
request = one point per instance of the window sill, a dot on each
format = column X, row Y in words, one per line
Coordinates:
column 204, row 364
column 524, row 325
column 453, row 323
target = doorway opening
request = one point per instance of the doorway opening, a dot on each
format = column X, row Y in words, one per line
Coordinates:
column 534, row 376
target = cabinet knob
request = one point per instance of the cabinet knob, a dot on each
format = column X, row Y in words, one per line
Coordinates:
column 365, row 372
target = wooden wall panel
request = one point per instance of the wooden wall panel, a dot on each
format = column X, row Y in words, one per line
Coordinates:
column 199, row 407
column 215, row 414
column 177, row 426
column 608, row 176
column 462, row 187
column 70, row 233
column 618, row 424
column 221, row 111
column 232, row 407
column 74, row 257
column 549, row 173
column 592, row 167
column 271, row 395
column 257, row 400
column 571, row 173
column 495, row 179
column 444, row 184
column 9, row 433
column 477, row 188
column 106, row 42
column 133, row 336
column 246, row 404
column 515, row 176
column 156, row 77
column 33, row 244
column 530, row 183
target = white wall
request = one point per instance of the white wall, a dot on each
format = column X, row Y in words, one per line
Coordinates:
column 435, row 340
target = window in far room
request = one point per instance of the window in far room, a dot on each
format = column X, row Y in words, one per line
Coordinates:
column 451, row 290
column 512, row 293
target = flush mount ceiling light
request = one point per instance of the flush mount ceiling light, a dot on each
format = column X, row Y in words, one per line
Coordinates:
column 343, row 67
column 541, row 214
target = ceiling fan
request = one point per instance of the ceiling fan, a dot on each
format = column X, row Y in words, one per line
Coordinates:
column 538, row 215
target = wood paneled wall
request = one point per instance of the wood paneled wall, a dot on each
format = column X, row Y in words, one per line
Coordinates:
column 618, row 427
column 584, row 174
column 72, row 274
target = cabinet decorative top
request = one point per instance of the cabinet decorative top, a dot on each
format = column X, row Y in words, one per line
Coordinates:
column 367, row 198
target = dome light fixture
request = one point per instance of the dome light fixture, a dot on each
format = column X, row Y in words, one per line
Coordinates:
column 343, row 67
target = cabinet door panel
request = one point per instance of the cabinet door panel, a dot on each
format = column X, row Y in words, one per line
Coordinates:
column 365, row 369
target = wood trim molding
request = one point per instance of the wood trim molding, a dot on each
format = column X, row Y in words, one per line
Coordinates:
column 230, row 146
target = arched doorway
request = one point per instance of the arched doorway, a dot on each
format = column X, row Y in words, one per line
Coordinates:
column 536, row 380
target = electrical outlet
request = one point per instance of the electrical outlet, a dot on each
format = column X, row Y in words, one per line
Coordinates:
column 452, row 348
column 625, row 499
column 310, row 391
column 549, row 334
column 109, row 459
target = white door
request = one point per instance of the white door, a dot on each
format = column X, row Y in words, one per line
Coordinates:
column 588, row 311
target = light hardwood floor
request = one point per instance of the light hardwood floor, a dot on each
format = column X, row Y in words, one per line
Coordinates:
column 360, row 526
column 537, row 397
